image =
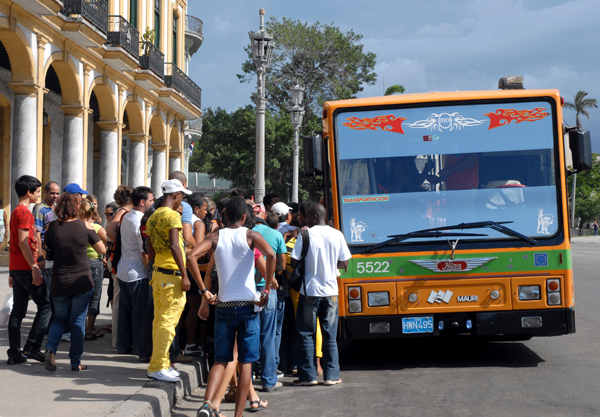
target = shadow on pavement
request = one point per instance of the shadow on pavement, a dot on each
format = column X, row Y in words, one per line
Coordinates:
column 455, row 352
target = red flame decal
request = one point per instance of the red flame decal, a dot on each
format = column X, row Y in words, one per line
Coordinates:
column 502, row 117
column 389, row 123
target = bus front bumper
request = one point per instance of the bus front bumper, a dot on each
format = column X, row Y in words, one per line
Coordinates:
column 522, row 324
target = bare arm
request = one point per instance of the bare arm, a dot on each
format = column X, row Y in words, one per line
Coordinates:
column 26, row 250
column 342, row 265
column 113, row 227
column 199, row 230
column 102, row 235
column 204, row 308
column 178, row 256
column 192, row 261
column 258, row 241
column 187, row 234
column 99, row 247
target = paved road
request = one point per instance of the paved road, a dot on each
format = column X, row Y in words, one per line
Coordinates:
column 558, row 376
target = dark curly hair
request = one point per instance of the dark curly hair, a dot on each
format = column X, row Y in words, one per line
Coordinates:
column 123, row 195
column 66, row 207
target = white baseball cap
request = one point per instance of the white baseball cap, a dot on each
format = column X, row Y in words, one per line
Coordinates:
column 281, row 209
column 173, row 186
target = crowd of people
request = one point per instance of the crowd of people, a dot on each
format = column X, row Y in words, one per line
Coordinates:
column 187, row 277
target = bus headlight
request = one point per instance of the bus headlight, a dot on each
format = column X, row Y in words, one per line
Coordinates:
column 378, row 299
column 529, row 292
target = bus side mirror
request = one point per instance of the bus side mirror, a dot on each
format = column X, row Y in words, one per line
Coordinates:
column 581, row 148
column 312, row 151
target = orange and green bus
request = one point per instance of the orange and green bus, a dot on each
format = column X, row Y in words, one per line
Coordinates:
column 454, row 206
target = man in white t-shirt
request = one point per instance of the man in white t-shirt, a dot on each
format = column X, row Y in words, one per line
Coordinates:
column 327, row 252
column 132, row 273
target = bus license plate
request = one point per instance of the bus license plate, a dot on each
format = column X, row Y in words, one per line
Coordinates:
column 417, row 324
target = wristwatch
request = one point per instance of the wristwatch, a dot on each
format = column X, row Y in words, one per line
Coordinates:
column 201, row 292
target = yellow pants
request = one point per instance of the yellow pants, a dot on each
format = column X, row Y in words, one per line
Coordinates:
column 169, row 301
column 295, row 296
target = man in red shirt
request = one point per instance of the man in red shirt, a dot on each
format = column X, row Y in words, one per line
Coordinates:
column 25, row 276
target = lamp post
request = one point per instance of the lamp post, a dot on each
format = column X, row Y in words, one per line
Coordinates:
column 262, row 51
column 297, row 113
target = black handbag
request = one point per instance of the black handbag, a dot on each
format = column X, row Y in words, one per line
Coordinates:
column 297, row 276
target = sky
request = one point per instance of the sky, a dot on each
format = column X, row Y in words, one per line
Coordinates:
column 437, row 45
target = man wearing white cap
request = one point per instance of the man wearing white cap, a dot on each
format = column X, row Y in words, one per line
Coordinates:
column 285, row 217
column 169, row 277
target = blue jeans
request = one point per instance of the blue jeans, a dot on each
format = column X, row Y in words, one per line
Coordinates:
column 23, row 288
column 132, row 303
column 268, row 325
column 326, row 309
column 236, row 323
column 279, row 325
column 97, row 273
column 70, row 310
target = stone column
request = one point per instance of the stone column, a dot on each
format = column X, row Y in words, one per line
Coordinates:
column 159, row 167
column 175, row 161
column 137, row 159
column 72, row 169
column 24, row 138
column 109, row 162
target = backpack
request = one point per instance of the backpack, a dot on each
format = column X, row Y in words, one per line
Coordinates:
column 114, row 251
column 297, row 276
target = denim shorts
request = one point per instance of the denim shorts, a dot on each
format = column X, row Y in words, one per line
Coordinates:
column 246, row 323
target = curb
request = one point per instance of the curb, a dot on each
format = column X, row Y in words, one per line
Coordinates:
column 157, row 398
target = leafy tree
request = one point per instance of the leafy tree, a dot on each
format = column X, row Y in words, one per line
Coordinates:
column 330, row 64
column 580, row 104
column 394, row 89
column 587, row 193
column 228, row 151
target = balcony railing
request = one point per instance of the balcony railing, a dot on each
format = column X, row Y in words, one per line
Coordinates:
column 176, row 78
column 94, row 11
column 121, row 33
column 193, row 24
column 152, row 59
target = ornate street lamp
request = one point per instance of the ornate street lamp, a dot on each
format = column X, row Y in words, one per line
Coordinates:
column 262, row 51
column 297, row 113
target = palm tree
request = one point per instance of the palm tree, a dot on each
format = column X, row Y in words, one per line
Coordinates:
column 395, row 89
column 580, row 103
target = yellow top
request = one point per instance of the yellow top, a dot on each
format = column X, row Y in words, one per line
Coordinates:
column 158, row 226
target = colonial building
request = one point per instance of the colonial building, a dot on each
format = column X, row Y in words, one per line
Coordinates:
column 92, row 92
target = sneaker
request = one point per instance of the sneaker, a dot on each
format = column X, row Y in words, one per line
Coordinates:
column 273, row 388
column 65, row 337
column 173, row 371
column 332, row 382
column 279, row 374
column 205, row 411
column 299, row 383
column 163, row 375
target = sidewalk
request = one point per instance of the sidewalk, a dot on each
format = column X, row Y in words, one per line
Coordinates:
column 585, row 239
column 114, row 384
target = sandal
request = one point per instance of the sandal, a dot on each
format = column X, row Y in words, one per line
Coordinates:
column 90, row 336
column 259, row 403
column 80, row 368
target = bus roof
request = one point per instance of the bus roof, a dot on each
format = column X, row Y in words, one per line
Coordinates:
column 441, row 96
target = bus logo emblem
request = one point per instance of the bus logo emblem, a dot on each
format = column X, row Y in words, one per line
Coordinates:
column 445, row 121
column 449, row 265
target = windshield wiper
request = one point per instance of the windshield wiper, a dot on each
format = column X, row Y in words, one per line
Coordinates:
column 498, row 226
column 419, row 233
column 437, row 232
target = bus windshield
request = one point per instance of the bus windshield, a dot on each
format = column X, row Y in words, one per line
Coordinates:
column 407, row 169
